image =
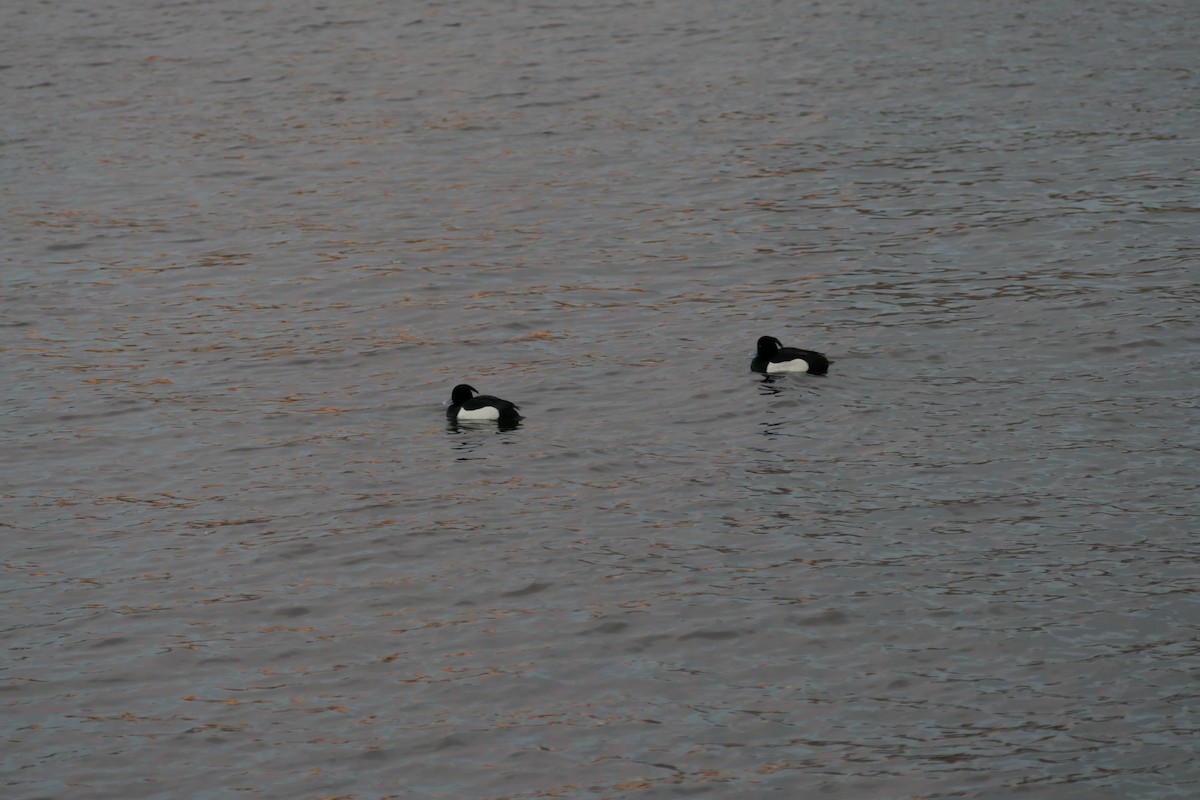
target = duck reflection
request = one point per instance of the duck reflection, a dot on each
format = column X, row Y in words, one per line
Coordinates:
column 470, row 436
column 769, row 385
column 774, row 385
column 481, row 427
column 773, row 428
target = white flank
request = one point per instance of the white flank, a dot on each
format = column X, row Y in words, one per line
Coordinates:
column 487, row 412
column 795, row 365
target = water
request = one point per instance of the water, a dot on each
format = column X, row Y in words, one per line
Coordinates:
column 250, row 249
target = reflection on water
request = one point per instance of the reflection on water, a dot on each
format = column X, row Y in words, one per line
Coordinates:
column 789, row 383
column 472, row 427
column 249, row 249
column 470, row 436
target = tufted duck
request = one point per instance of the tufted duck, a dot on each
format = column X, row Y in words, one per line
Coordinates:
column 466, row 405
column 773, row 357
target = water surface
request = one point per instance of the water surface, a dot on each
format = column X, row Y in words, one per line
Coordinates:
column 250, row 249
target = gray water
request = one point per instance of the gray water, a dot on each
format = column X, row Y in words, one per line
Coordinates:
column 249, row 248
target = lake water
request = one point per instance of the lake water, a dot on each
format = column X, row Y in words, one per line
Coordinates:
column 250, row 248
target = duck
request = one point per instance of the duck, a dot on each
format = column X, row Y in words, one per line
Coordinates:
column 773, row 357
column 467, row 405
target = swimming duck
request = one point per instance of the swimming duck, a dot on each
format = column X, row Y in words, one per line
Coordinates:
column 773, row 357
column 466, row 404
